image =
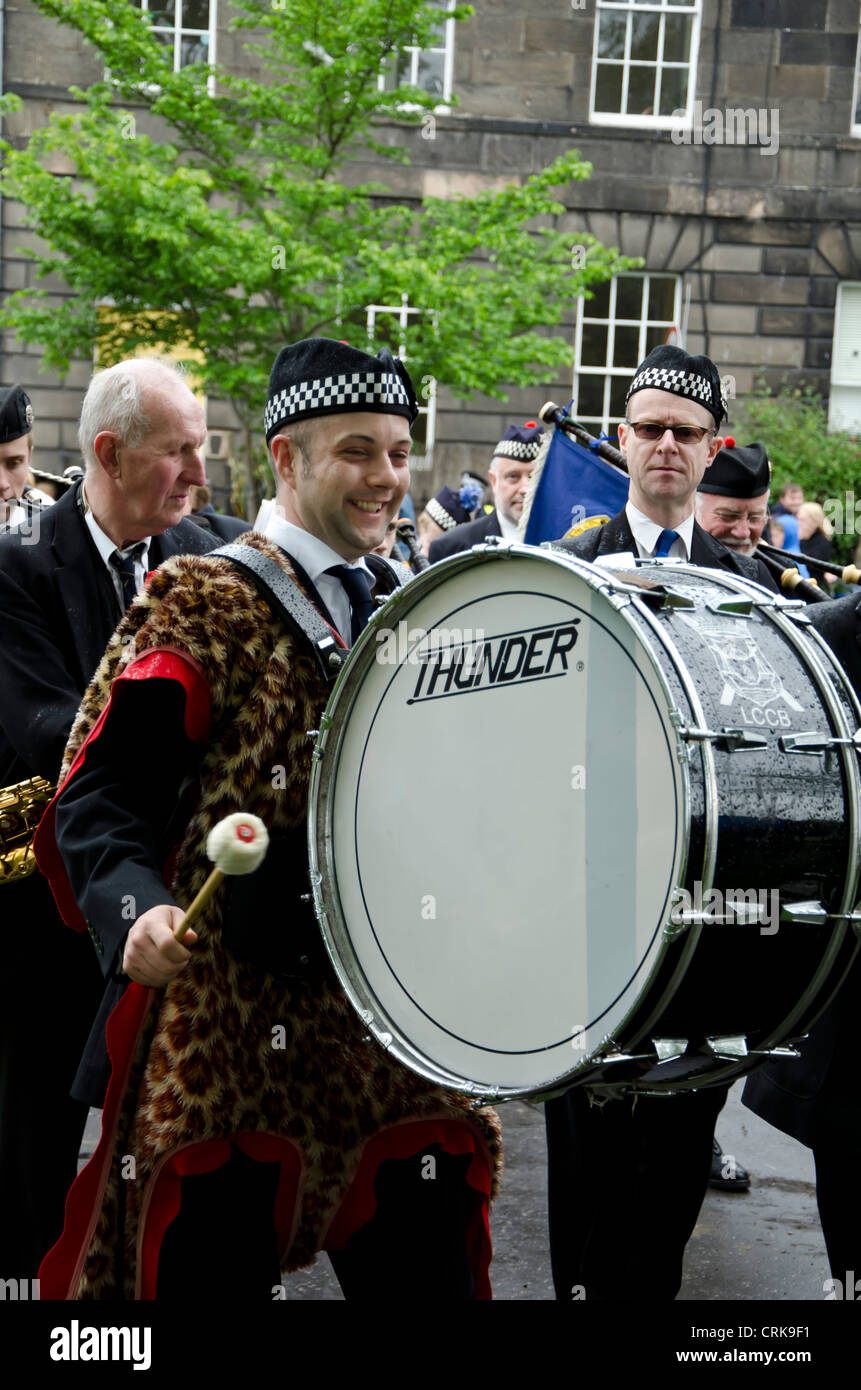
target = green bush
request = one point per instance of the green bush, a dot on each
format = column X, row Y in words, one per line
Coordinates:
column 793, row 426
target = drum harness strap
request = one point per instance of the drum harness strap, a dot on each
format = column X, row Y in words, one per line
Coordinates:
column 296, row 611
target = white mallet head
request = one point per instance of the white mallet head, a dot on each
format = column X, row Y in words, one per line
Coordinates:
column 237, row 844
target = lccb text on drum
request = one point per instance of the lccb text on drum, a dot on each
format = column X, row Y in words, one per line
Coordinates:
column 756, row 714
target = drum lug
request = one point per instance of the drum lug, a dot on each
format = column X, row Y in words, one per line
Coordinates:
column 608, row 1057
column 741, row 741
column 693, row 734
column 741, row 914
column 661, row 600
column 731, row 740
column 486, row 1098
column 732, row 607
column 668, row 1049
column 808, row 914
column 787, row 1050
column 813, row 914
column 325, row 725
column 816, row 742
column 796, row 608
column 731, row 1046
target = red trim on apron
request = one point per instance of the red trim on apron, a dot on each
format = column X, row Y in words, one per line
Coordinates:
column 163, row 664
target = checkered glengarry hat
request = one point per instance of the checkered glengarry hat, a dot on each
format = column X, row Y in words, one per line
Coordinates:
column 320, row 376
column 520, row 442
column 669, row 368
column 16, row 414
column 450, row 508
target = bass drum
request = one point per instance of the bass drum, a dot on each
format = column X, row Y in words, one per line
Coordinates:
column 573, row 825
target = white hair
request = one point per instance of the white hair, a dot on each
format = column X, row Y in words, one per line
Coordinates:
column 114, row 401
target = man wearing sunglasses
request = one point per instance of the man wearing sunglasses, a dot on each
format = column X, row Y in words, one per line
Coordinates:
column 669, row 438
column 626, row 1179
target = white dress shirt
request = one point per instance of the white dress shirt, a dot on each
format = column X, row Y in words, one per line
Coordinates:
column 106, row 548
column 646, row 534
column 315, row 557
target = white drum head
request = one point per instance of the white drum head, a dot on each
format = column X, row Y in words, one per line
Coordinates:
column 499, row 820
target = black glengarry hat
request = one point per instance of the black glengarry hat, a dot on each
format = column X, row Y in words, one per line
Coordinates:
column 740, row 471
column 16, row 414
column 321, row 376
column 669, row 368
column 520, row 442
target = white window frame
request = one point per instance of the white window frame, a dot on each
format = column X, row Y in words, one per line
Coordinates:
column 844, row 397
column 634, row 7
column 413, row 52
column 419, row 463
column 612, row 322
column 180, row 32
column 855, row 126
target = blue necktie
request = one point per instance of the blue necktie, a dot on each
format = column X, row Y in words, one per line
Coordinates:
column 665, row 540
column 358, row 590
column 123, row 562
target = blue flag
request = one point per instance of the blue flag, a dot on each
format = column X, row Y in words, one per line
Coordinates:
column 575, row 487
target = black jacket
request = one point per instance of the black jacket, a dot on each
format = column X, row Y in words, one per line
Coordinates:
column 462, row 537
column 615, row 537
column 816, row 1098
column 59, row 608
column 227, row 527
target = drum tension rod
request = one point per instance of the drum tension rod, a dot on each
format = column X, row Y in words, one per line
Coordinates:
column 730, row 740
column 816, row 742
column 735, row 1045
column 814, row 914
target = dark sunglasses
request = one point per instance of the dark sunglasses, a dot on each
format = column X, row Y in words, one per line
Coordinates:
column 683, row 434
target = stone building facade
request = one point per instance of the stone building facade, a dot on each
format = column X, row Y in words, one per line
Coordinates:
column 726, row 154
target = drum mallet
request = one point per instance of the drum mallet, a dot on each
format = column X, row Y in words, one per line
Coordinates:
column 236, row 845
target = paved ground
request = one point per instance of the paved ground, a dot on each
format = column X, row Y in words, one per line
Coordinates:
column 762, row 1245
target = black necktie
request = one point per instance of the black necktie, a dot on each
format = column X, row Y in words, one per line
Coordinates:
column 123, row 562
column 358, row 590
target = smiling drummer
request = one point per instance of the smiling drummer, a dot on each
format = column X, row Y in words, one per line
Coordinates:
column 627, row 1179
column 263, row 1124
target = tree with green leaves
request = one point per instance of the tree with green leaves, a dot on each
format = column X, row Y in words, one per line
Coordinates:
column 234, row 227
